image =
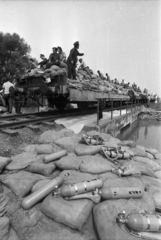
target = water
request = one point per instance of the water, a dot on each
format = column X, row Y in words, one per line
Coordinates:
column 144, row 132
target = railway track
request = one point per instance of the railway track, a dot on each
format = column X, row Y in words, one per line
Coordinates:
column 21, row 120
column 17, row 121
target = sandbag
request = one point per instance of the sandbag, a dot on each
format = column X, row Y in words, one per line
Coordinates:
column 140, row 147
column 42, row 168
column 63, row 65
column 73, row 213
column 69, row 162
column 139, row 152
column 30, row 148
column 123, row 182
column 22, row 221
column 4, row 228
column 105, row 214
column 54, row 67
column 152, row 163
column 4, row 200
column 150, row 156
column 157, row 199
column 105, row 136
column 53, row 73
column 152, row 150
column 158, row 174
column 126, row 142
column 108, row 175
column 13, row 235
column 21, row 161
column 69, row 143
column 157, row 156
column 76, row 176
column 82, row 149
column 61, row 72
column 21, row 182
column 95, row 165
column 136, row 169
column 4, row 161
column 151, row 181
column 44, row 149
column 1, row 188
column 48, row 229
column 50, row 136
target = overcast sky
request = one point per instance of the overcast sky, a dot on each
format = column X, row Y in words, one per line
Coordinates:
column 118, row 37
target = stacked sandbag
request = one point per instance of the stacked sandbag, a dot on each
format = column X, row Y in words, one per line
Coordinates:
column 35, row 73
column 56, row 70
column 79, row 190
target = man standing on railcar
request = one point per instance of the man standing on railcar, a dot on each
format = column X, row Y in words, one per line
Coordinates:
column 72, row 60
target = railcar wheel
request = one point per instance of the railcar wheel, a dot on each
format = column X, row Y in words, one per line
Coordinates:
column 60, row 106
column 83, row 106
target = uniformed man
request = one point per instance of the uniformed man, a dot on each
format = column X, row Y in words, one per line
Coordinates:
column 84, row 67
column 43, row 62
column 72, row 60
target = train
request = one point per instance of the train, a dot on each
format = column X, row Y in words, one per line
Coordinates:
column 60, row 91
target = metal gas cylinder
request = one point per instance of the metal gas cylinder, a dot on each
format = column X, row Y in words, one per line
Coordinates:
column 140, row 222
column 42, row 192
column 82, row 187
column 126, row 192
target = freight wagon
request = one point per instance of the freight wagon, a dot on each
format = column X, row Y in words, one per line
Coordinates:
column 60, row 91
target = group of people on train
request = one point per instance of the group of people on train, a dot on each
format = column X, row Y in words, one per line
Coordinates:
column 8, row 93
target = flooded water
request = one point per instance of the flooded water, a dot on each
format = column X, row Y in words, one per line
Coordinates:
column 144, row 132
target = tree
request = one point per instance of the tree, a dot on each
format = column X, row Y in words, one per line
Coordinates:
column 14, row 56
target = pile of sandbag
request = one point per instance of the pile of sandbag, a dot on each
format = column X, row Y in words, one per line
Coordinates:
column 37, row 72
column 54, row 70
column 149, row 113
column 95, row 83
column 74, row 186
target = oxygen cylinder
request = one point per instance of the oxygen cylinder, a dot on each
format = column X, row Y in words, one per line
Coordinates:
column 128, row 192
column 55, row 156
column 123, row 155
column 111, row 154
column 142, row 222
column 36, row 196
column 82, row 187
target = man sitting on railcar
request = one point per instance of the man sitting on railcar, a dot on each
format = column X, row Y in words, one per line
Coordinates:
column 101, row 75
column 107, row 77
column 43, row 62
column 62, row 55
column 54, row 58
column 84, row 66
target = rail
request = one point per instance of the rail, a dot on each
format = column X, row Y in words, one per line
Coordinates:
column 129, row 104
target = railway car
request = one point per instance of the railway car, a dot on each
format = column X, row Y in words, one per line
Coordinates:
column 60, row 91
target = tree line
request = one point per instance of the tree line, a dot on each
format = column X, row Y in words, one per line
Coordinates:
column 14, row 56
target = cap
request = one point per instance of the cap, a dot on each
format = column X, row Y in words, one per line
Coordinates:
column 76, row 43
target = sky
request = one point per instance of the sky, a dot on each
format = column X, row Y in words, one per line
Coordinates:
column 118, row 37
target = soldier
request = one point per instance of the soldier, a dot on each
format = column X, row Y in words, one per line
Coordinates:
column 54, row 58
column 62, row 55
column 84, row 66
column 43, row 62
column 72, row 60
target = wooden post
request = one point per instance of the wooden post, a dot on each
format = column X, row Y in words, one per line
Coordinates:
column 126, row 106
column 120, row 106
column 98, row 112
column 111, row 109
